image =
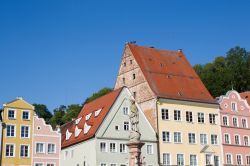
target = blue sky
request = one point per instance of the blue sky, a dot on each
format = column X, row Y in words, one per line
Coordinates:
column 59, row 52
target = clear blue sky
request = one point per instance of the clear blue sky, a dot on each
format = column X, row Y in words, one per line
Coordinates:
column 59, row 52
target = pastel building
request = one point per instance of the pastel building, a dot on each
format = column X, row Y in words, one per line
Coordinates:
column 99, row 135
column 46, row 144
column 176, row 103
column 17, row 133
column 235, row 119
column 1, row 130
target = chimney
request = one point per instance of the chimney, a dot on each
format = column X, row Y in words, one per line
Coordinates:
column 180, row 50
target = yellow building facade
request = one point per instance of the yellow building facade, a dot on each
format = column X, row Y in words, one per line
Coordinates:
column 17, row 133
column 189, row 133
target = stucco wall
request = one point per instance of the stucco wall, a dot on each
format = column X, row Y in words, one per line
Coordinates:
column 185, row 128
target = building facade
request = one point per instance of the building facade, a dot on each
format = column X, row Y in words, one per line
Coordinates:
column 101, row 132
column 46, row 144
column 17, row 133
column 1, row 130
column 235, row 118
column 172, row 97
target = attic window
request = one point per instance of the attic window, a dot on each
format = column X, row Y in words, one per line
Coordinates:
column 131, row 61
column 133, row 76
column 123, row 80
column 124, row 64
column 68, row 134
column 88, row 116
column 97, row 112
column 78, row 120
column 77, row 131
column 86, row 128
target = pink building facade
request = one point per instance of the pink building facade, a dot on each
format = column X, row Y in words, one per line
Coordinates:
column 235, row 128
column 46, row 144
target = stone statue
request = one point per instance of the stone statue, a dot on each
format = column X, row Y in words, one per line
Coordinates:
column 135, row 134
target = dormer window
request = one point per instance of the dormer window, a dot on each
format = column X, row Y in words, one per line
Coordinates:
column 68, row 134
column 77, row 131
column 88, row 116
column 97, row 112
column 11, row 114
column 78, row 120
column 86, row 128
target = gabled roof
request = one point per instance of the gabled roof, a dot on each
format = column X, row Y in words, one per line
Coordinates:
column 170, row 75
column 246, row 95
column 19, row 102
column 98, row 109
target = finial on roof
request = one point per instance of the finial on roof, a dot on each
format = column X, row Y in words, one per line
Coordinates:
column 20, row 98
column 180, row 50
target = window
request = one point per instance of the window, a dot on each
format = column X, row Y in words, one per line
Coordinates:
column 26, row 115
column 225, row 121
column 214, row 139
column 125, row 110
column 123, row 80
column 208, row 159
column 201, row 117
column 117, row 127
column 11, row 130
column 233, row 106
column 11, row 114
column 177, row 137
column 166, row 159
column 124, row 64
column 112, row 164
column 9, row 150
column 239, row 159
column 51, row 148
column 203, row 139
column 131, row 61
column 50, row 164
column 122, row 148
column 103, row 164
column 25, row 131
column 193, row 160
column 164, row 114
column 191, row 138
column 235, row 122
column 165, row 136
column 226, row 139
column 212, row 119
column 149, row 149
column 237, row 139
column 38, row 164
column 40, row 148
column 248, row 160
column 189, row 116
column 126, row 126
column 246, row 141
column 65, row 154
column 244, row 123
column 229, row 159
column 24, row 151
column 177, row 115
column 112, row 147
column 133, row 76
column 72, row 154
column 103, row 147
column 180, row 159
column 134, row 94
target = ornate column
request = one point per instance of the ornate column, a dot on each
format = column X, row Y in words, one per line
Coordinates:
column 134, row 144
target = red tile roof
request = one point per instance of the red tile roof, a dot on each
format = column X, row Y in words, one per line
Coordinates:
column 104, row 103
column 246, row 95
column 170, row 75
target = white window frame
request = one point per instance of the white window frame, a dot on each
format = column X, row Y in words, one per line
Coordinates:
column 125, row 109
column 206, row 136
column 217, row 140
column 115, row 150
column 229, row 138
column 125, row 150
column 196, row 159
column 14, row 150
column 170, row 160
column 235, row 106
column 190, row 116
column 248, row 155
column 22, row 115
column 128, row 125
column 10, row 132
column 192, row 138
column 177, row 139
column 223, row 120
column 167, row 117
column 179, row 118
column 38, row 163
column 235, row 139
column 247, row 140
column 237, row 121
column 152, row 149
column 177, row 158
column 231, row 158
column 14, row 114
column 21, row 131
column 106, row 147
column 242, row 123
column 166, row 136
column 28, row 151
column 44, row 147
column 51, row 143
column 214, row 120
column 242, row 161
column 204, row 117
column 51, row 163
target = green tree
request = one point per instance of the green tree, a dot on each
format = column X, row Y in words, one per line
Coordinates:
column 57, row 116
column 98, row 94
column 71, row 113
column 225, row 73
column 43, row 112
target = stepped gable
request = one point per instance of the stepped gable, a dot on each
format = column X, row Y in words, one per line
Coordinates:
column 246, row 95
column 170, row 75
column 98, row 109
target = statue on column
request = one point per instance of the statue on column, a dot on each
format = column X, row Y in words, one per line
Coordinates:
column 135, row 134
